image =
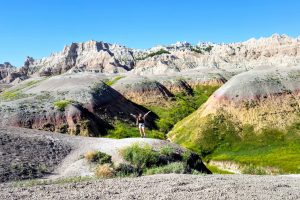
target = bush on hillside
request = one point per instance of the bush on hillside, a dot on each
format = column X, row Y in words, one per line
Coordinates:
column 98, row 157
column 175, row 168
column 140, row 156
column 62, row 104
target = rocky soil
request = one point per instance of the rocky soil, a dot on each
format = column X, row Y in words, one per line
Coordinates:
column 29, row 154
column 166, row 187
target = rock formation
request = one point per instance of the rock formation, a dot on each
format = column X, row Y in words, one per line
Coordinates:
column 101, row 57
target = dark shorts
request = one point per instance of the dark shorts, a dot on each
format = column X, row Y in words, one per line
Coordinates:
column 141, row 125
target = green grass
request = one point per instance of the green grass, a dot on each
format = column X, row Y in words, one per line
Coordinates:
column 202, row 50
column 166, row 150
column 125, row 130
column 253, row 169
column 113, row 81
column 216, row 170
column 182, row 106
column 222, row 140
column 285, row 156
column 62, row 104
column 175, row 168
column 18, row 93
column 273, row 148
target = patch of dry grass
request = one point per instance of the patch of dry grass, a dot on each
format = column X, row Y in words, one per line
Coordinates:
column 104, row 171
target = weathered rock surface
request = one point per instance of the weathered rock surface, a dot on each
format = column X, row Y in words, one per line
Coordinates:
column 277, row 50
column 6, row 69
column 91, row 56
column 101, row 57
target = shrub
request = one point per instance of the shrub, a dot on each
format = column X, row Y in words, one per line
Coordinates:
column 167, row 150
column 175, row 167
column 62, row 104
column 124, row 170
column 208, row 48
column 186, row 155
column 140, row 156
column 252, row 169
column 98, row 157
column 104, row 171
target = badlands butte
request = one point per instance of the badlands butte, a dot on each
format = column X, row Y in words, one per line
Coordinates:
column 237, row 106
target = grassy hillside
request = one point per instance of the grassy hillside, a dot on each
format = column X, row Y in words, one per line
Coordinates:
column 179, row 107
column 218, row 138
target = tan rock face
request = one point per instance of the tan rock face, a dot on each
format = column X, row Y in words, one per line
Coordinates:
column 92, row 56
column 277, row 50
column 9, row 73
column 101, row 57
column 5, row 70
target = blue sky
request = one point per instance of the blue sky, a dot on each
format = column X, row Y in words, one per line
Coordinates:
column 39, row 27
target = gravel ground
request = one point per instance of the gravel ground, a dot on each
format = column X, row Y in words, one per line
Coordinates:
column 165, row 187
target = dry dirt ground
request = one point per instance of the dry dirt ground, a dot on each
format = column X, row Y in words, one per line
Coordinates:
column 170, row 186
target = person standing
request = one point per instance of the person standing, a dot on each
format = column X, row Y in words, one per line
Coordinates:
column 140, row 121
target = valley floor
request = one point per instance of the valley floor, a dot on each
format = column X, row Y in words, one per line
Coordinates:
column 165, row 187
